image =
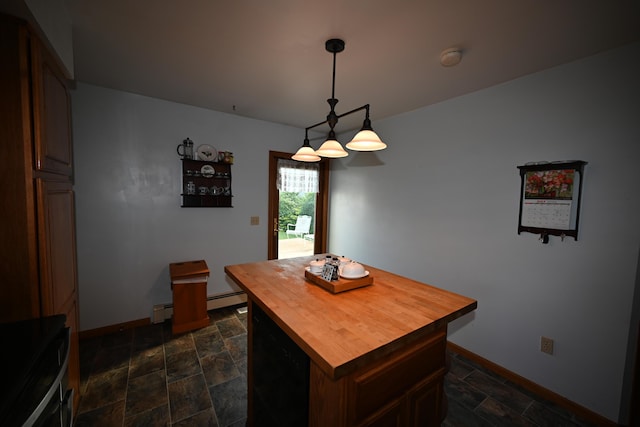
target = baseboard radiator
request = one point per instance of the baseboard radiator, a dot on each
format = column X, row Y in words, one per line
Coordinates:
column 162, row 312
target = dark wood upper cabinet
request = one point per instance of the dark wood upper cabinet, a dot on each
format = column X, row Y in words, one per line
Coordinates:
column 52, row 115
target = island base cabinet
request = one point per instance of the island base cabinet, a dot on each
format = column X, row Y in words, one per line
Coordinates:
column 403, row 389
column 286, row 387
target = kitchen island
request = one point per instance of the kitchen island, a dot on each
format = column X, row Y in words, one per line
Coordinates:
column 371, row 356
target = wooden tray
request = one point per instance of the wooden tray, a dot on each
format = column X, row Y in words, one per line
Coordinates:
column 340, row 285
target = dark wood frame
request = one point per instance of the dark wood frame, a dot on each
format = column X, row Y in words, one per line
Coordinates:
column 322, row 203
column 578, row 167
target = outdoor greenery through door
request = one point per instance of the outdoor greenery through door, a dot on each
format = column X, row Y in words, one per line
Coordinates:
column 293, row 205
column 294, row 240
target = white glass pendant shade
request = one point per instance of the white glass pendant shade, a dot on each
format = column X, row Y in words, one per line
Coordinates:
column 331, row 148
column 306, row 154
column 366, row 140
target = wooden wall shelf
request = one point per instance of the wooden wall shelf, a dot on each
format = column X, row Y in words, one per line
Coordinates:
column 206, row 184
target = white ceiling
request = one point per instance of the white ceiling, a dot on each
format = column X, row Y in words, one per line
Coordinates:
column 266, row 59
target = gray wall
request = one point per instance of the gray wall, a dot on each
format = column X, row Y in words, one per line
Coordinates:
column 441, row 205
column 130, row 226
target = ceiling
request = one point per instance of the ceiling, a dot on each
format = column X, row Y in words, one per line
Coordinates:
column 266, row 59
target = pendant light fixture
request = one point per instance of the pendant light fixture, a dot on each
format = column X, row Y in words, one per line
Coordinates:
column 365, row 140
column 306, row 153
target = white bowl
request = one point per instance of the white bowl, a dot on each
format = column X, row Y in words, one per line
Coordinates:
column 316, row 266
column 353, row 269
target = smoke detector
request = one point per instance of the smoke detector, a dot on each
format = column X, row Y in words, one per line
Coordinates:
column 450, row 57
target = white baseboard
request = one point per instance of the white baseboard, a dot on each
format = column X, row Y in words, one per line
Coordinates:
column 162, row 312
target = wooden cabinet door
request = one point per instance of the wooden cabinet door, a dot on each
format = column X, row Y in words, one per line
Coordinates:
column 425, row 402
column 57, row 251
column 390, row 416
column 57, row 259
column 52, row 114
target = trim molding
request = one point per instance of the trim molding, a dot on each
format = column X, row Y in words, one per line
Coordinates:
column 580, row 411
column 110, row 329
column 163, row 312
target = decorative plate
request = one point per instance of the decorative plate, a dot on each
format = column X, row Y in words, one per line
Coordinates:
column 207, row 171
column 207, row 153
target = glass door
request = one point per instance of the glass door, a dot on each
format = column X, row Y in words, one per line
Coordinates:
column 298, row 194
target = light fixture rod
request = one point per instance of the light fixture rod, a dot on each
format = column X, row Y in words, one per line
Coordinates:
column 333, row 79
column 355, row 110
column 334, row 46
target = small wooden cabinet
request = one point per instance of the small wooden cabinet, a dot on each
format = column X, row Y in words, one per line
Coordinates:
column 189, row 288
column 206, row 184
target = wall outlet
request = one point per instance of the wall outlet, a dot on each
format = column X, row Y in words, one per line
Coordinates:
column 546, row 345
column 255, row 220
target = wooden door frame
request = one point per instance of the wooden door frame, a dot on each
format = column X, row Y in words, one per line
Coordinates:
column 322, row 206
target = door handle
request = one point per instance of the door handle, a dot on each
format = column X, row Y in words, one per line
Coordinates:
column 275, row 227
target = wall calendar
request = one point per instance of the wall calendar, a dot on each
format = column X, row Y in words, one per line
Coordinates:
column 550, row 196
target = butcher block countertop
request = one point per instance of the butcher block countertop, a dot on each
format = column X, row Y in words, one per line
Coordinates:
column 345, row 331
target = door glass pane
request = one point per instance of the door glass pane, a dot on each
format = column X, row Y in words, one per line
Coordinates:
column 298, row 192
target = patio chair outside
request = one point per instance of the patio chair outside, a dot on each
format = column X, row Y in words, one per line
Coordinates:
column 300, row 228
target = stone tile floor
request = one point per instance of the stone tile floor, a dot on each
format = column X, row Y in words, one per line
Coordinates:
column 147, row 377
